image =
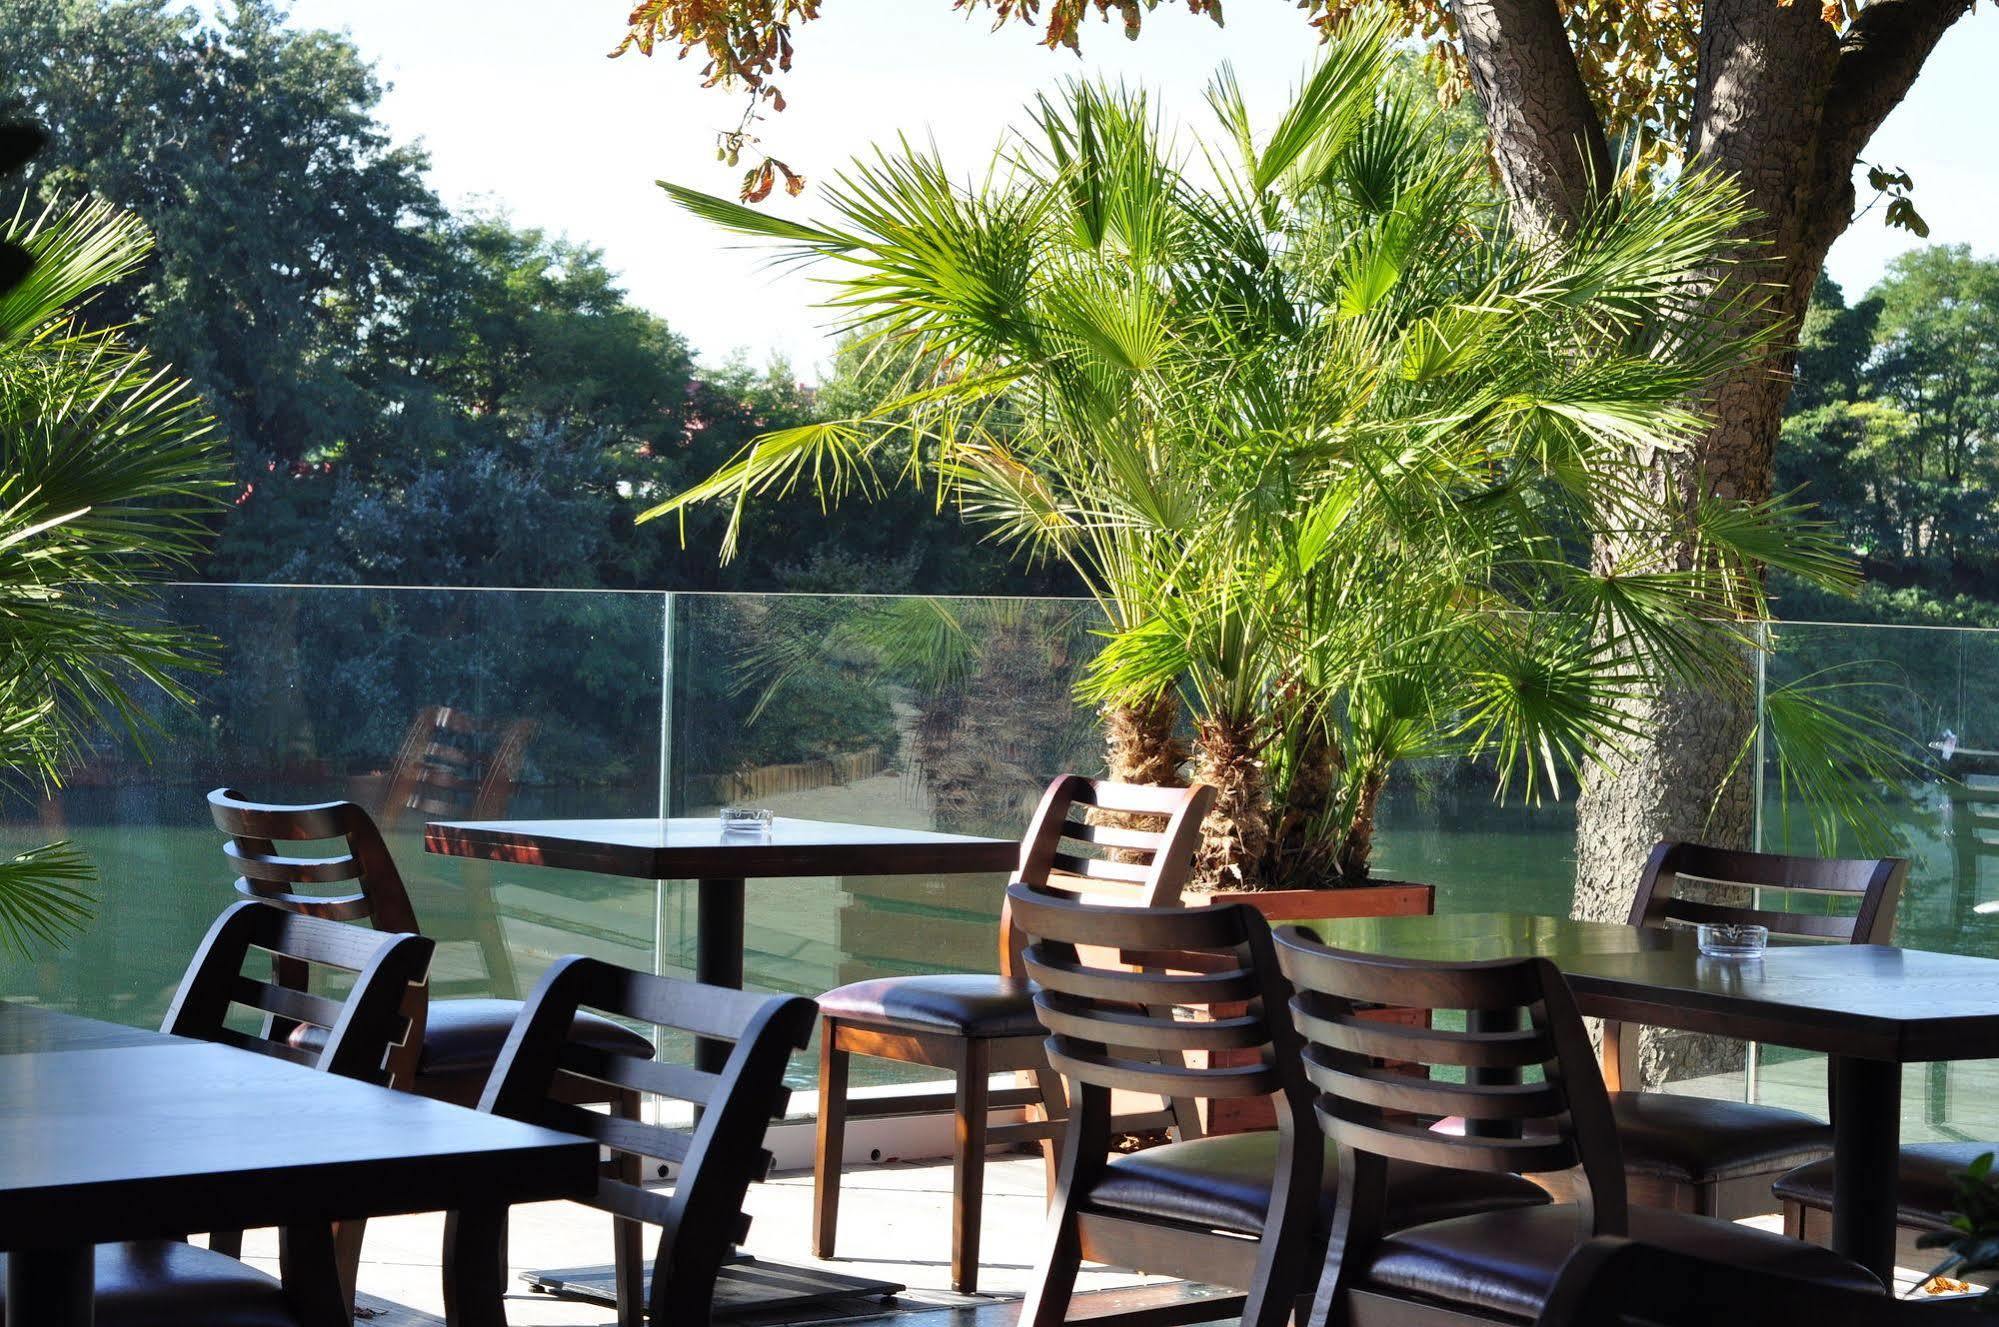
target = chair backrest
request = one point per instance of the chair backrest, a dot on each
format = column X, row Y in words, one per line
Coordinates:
column 372, row 890
column 718, row 1157
column 366, row 1031
column 1125, row 845
column 1518, row 1017
column 455, row 765
column 1115, row 986
column 1874, row 884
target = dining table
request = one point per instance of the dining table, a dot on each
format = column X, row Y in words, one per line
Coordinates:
column 111, row 1133
column 721, row 860
column 1871, row 1008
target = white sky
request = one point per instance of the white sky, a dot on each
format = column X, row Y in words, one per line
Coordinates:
column 519, row 108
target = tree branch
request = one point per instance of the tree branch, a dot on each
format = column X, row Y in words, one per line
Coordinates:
column 1547, row 137
column 1880, row 56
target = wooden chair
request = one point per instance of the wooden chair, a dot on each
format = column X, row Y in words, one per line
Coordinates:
column 702, row 1220
column 158, row 1283
column 458, row 1041
column 453, row 765
column 977, row 1025
column 1712, row 1157
column 1611, row 1282
column 1246, row 1211
column 1493, row 1266
column 1925, row 1197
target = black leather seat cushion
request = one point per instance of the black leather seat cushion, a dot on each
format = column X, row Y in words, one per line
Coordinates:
column 963, row 1003
column 465, row 1036
column 1925, row 1189
column 1507, row 1262
column 1696, row 1140
column 1224, row 1184
column 160, row 1283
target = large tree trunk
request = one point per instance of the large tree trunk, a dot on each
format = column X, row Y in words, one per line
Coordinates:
column 1142, row 741
column 1785, row 105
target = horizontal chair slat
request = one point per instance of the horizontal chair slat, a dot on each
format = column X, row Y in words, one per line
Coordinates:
column 333, row 908
column 1358, row 1126
column 620, row 1135
column 678, row 1081
column 1116, row 1027
column 1813, row 925
column 292, row 870
column 245, row 1041
column 1388, row 1090
column 1231, row 986
column 1145, row 799
column 1256, row 1080
column 298, row 1006
column 633, row 1203
column 1393, row 1041
column 1099, row 868
column 1111, row 836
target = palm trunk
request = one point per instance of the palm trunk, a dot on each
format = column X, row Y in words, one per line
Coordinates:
column 1356, row 858
column 1142, row 742
column 1304, row 853
column 1235, row 838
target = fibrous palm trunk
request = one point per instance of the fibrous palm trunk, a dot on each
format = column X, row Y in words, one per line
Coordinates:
column 1235, row 838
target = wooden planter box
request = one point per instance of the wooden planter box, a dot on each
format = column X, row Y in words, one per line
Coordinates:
column 1388, row 899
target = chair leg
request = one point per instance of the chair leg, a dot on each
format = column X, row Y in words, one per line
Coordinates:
column 968, row 1165
column 1085, row 1142
column 226, row 1241
column 1794, row 1219
column 829, row 1146
column 628, row 1236
column 1054, row 1106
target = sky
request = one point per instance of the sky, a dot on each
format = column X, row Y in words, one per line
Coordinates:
column 519, row 110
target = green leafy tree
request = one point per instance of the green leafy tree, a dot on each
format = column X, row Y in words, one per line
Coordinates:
column 1314, row 434
column 289, row 225
column 107, row 467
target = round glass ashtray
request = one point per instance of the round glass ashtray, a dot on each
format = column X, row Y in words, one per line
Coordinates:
column 1732, row 940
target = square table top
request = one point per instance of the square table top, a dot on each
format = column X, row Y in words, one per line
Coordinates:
column 1872, row 1002
column 698, row 848
column 111, row 1133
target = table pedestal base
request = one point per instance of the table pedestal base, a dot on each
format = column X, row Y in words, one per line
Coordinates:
column 746, row 1286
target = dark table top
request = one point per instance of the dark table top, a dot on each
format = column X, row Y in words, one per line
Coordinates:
column 697, row 847
column 1870, row 1001
column 111, row 1133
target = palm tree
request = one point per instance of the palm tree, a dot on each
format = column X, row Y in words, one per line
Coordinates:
column 1316, row 426
column 107, row 467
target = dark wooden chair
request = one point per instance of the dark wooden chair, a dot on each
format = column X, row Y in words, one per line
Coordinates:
column 164, row 1283
column 702, row 1220
column 455, row 765
column 977, row 1025
column 1925, row 1197
column 1524, row 1078
column 1246, row 1211
column 1611, row 1282
column 1712, row 1157
column 458, row 1041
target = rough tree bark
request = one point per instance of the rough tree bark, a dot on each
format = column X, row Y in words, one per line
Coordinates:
column 1785, row 104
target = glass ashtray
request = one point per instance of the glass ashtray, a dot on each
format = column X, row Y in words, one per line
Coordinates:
column 744, row 819
column 1732, row 939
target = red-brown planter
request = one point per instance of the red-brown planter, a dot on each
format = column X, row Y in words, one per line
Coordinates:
column 1387, row 899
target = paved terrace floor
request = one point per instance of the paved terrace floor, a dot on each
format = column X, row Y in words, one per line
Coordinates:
column 896, row 1221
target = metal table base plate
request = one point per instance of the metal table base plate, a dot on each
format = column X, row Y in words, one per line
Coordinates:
column 746, row 1288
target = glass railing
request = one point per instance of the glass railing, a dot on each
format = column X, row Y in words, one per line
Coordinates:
column 931, row 713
